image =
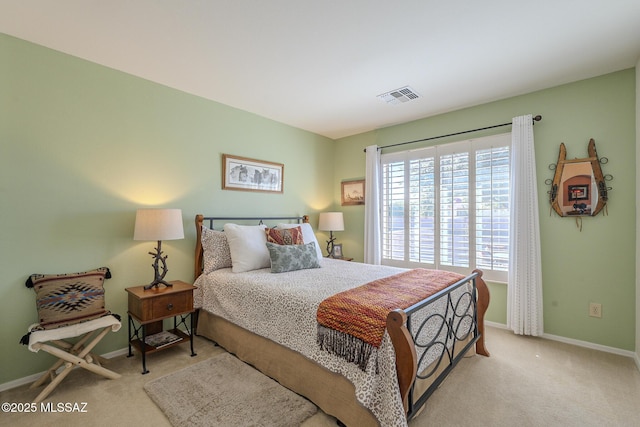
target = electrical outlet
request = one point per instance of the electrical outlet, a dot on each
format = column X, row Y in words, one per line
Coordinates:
column 595, row 309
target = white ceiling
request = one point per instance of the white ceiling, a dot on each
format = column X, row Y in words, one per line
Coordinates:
column 320, row 65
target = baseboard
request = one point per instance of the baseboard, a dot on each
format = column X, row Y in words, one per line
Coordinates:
column 31, row 378
column 579, row 343
column 116, row 353
column 495, row 325
column 20, row 381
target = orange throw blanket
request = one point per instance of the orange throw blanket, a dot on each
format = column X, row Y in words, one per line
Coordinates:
column 353, row 322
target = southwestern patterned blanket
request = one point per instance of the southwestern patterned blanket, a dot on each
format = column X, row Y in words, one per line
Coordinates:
column 351, row 323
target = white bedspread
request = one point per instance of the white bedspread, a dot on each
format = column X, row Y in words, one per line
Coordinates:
column 282, row 307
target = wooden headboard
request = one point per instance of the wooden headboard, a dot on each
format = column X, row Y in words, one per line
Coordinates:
column 209, row 221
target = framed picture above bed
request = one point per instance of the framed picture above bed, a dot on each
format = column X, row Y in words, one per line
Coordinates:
column 244, row 174
column 353, row 192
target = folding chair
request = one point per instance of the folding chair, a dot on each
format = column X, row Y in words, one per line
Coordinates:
column 70, row 306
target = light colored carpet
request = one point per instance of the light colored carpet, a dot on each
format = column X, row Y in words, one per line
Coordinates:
column 223, row 391
column 527, row 382
column 535, row 382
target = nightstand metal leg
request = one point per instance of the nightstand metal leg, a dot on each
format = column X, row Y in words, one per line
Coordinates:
column 138, row 334
column 192, row 333
column 129, row 332
column 189, row 328
column 144, row 350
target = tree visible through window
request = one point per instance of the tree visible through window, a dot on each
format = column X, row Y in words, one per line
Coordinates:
column 447, row 207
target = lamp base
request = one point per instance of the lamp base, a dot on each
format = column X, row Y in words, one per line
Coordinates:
column 158, row 277
column 156, row 284
column 330, row 244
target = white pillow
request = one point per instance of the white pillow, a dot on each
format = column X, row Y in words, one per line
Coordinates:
column 307, row 235
column 248, row 246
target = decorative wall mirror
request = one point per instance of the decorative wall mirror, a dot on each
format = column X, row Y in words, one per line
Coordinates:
column 578, row 187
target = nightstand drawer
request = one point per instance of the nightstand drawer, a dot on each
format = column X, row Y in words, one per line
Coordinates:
column 148, row 305
column 170, row 305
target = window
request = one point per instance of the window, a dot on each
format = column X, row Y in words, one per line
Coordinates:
column 447, row 207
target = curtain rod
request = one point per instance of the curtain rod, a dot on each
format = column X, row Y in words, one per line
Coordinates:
column 535, row 119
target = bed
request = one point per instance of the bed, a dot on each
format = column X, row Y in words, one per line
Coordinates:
column 269, row 321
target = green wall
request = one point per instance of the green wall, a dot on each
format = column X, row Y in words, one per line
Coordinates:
column 83, row 146
column 596, row 264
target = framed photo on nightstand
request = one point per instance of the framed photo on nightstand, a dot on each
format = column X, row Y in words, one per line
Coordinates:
column 337, row 251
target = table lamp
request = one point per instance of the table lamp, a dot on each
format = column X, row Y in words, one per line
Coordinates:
column 158, row 224
column 331, row 221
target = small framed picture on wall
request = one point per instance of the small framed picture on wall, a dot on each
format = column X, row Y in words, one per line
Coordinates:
column 353, row 192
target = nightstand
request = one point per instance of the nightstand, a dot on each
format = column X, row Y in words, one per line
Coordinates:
column 148, row 308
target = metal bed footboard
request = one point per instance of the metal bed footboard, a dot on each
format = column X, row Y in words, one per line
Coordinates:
column 457, row 325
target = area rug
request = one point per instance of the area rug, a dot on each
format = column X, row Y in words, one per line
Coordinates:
column 224, row 391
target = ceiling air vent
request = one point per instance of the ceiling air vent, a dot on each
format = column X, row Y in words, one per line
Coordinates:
column 399, row 96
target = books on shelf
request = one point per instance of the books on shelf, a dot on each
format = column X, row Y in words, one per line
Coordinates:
column 161, row 339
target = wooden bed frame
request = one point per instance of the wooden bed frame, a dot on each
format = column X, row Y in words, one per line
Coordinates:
column 288, row 366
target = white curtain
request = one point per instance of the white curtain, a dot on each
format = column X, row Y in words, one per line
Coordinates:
column 372, row 241
column 524, row 298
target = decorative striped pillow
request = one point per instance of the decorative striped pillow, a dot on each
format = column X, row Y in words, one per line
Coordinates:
column 286, row 236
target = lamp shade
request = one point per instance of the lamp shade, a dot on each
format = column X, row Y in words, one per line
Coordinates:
column 331, row 221
column 158, row 224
